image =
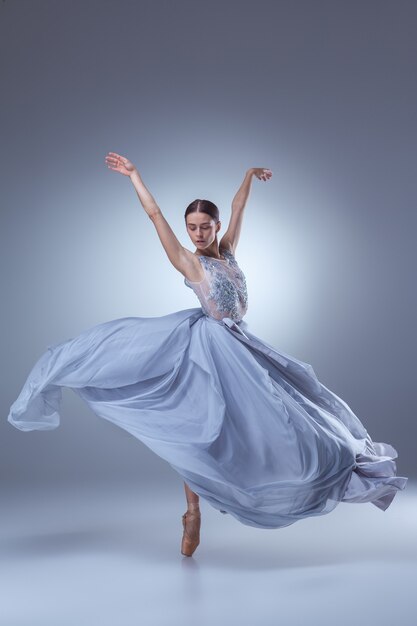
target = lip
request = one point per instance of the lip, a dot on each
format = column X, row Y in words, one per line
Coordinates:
column 201, row 241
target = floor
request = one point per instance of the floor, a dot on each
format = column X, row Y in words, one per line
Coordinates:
column 81, row 555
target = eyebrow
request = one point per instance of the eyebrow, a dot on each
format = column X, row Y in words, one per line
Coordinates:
column 202, row 223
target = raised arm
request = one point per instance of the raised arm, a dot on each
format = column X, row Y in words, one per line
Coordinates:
column 177, row 254
column 230, row 238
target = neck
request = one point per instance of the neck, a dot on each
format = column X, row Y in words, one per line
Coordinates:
column 212, row 251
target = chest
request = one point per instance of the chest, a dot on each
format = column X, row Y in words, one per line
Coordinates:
column 223, row 282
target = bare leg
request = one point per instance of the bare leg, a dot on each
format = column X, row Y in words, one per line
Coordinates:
column 193, row 500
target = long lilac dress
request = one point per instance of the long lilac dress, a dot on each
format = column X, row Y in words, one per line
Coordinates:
column 249, row 428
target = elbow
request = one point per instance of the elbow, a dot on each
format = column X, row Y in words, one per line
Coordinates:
column 154, row 214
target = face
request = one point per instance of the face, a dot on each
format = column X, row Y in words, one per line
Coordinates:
column 202, row 229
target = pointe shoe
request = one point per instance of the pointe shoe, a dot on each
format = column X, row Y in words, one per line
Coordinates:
column 191, row 521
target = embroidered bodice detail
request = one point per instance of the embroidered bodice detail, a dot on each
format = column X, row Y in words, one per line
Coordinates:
column 223, row 291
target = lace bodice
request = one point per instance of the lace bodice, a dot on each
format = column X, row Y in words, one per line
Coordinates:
column 222, row 292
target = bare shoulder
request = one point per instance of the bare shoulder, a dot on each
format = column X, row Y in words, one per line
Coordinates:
column 226, row 244
column 191, row 266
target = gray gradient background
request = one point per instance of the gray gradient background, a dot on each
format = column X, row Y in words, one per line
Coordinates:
column 194, row 93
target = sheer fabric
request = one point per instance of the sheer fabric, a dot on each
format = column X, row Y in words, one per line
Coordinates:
column 250, row 428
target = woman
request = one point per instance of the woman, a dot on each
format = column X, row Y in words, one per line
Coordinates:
column 249, row 428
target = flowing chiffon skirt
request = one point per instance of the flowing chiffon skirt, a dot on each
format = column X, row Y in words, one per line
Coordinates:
column 249, row 428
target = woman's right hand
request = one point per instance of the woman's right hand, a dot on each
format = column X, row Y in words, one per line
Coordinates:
column 120, row 164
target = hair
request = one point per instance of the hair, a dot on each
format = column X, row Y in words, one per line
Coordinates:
column 203, row 206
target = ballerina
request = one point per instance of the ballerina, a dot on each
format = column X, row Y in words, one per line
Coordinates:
column 249, row 428
column 202, row 229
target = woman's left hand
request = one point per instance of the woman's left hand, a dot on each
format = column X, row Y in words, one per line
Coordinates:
column 119, row 163
column 262, row 173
